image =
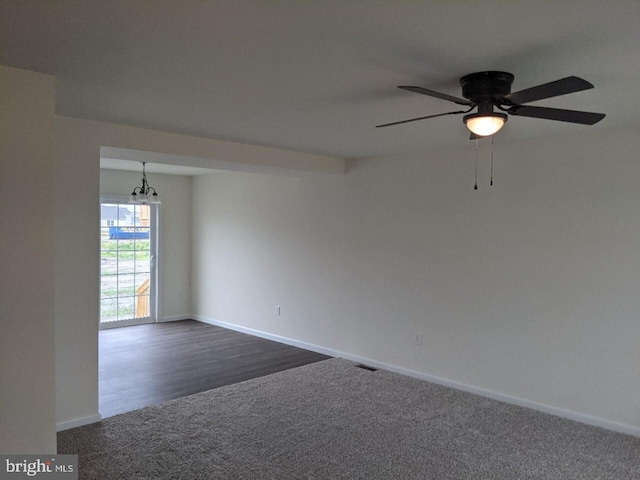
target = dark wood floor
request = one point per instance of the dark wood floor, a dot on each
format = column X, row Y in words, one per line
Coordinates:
column 150, row 364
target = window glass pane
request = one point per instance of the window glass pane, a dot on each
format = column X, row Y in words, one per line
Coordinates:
column 126, row 285
column 108, row 286
column 142, row 243
column 125, row 262
column 109, row 310
column 108, row 266
column 107, row 245
column 142, row 284
column 126, row 308
column 142, row 266
column 125, row 215
column 125, row 245
column 144, row 215
column 142, row 306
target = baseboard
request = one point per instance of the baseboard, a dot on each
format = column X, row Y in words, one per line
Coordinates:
column 523, row 402
column 78, row 422
column 175, row 318
column 503, row 397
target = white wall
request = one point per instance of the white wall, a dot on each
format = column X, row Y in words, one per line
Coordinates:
column 27, row 394
column 175, row 235
column 527, row 290
column 78, row 145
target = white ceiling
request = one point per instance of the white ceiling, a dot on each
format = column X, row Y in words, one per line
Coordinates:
column 317, row 75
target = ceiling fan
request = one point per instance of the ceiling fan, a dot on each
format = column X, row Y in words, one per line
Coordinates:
column 487, row 90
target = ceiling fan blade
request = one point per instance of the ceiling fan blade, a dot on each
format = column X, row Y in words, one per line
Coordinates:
column 441, row 96
column 421, row 118
column 548, row 90
column 572, row 116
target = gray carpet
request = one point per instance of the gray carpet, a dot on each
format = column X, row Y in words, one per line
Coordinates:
column 332, row 420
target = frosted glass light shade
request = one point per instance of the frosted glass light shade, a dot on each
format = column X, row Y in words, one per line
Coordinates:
column 486, row 124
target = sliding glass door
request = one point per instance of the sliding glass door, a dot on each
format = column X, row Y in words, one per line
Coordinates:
column 127, row 264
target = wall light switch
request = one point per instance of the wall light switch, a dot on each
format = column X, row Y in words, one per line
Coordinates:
column 278, row 310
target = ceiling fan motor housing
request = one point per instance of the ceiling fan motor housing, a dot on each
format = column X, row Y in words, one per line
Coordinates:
column 486, row 87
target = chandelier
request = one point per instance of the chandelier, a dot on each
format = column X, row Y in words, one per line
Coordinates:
column 145, row 194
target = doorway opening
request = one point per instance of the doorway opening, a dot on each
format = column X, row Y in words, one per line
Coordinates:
column 127, row 263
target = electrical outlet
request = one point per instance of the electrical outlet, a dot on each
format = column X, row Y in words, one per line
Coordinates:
column 277, row 309
column 418, row 340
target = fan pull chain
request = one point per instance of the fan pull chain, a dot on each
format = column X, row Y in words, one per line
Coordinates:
column 475, row 187
column 491, row 183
